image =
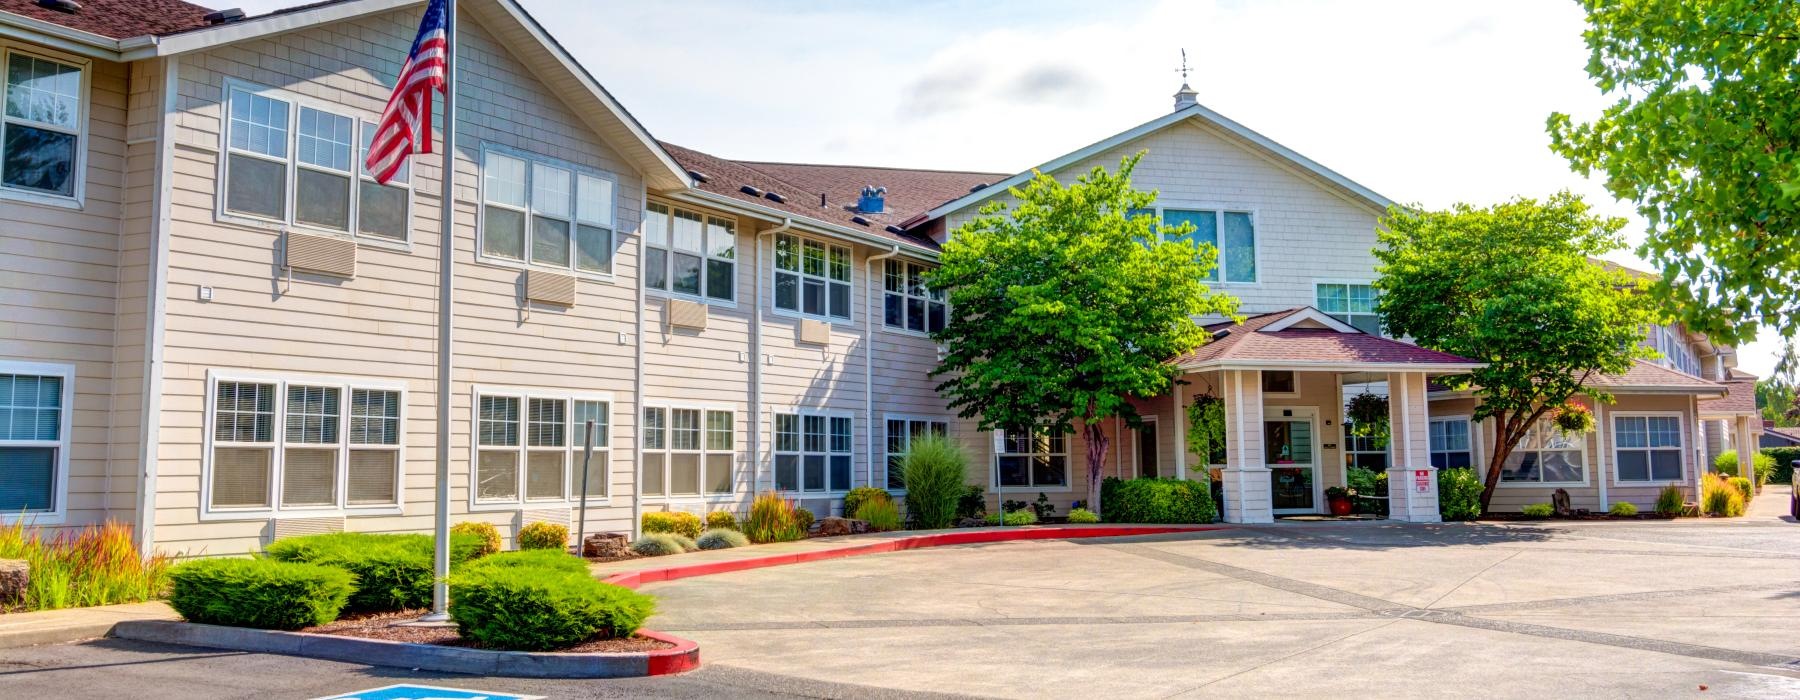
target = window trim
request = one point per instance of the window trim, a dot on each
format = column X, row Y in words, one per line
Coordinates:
column 277, row 446
column 1474, row 437
column 1682, row 426
column 1587, row 465
column 575, row 172
column 829, row 243
column 668, row 448
column 882, row 483
column 737, row 262
column 571, row 492
column 999, row 441
column 881, row 288
column 59, row 512
column 1262, row 376
column 1219, row 212
column 800, row 468
column 77, row 200
column 1322, row 281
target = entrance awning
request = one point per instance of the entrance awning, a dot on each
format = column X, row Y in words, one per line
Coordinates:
column 1308, row 339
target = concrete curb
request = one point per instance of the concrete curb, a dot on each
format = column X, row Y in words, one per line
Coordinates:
column 26, row 629
column 380, row 652
column 633, row 579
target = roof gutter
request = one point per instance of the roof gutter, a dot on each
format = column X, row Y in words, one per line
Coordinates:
column 813, row 225
column 1428, row 368
column 61, row 38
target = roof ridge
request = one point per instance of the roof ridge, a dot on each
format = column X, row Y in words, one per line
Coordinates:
column 797, row 189
column 872, row 167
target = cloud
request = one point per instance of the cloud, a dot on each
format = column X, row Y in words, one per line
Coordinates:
column 1051, row 84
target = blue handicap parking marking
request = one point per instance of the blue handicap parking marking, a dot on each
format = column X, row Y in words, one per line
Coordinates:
column 428, row 692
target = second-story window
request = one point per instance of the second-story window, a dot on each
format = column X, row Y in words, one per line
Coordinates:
column 1232, row 233
column 908, row 304
column 543, row 213
column 1351, row 303
column 686, row 252
column 41, row 127
column 812, row 278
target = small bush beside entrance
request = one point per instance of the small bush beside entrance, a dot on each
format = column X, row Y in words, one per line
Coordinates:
column 1156, row 501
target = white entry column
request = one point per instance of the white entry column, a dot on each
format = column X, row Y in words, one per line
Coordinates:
column 1248, row 496
column 1412, row 481
column 1746, row 451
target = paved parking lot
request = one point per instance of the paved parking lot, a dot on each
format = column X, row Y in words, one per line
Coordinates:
column 1591, row 609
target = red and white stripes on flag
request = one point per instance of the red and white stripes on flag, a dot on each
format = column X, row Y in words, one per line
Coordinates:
column 405, row 126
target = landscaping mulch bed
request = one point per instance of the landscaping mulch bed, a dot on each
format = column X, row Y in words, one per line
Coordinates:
column 385, row 626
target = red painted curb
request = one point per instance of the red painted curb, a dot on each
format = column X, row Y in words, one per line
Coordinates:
column 684, row 657
column 633, row 579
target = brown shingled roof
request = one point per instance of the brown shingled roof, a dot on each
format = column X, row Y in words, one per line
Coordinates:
column 1649, row 375
column 1740, row 399
column 117, row 19
column 1249, row 342
column 909, row 191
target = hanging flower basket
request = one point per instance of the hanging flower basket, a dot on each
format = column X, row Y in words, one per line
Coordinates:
column 1572, row 417
column 1367, row 413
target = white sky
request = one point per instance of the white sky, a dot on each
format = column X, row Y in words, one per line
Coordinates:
column 1424, row 101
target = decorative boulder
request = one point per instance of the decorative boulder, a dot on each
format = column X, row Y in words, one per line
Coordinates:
column 970, row 522
column 1559, row 502
column 841, row 526
column 15, row 577
column 606, row 545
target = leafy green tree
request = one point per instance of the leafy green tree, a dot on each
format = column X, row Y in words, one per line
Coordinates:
column 1775, row 401
column 1705, row 138
column 1513, row 286
column 1068, row 306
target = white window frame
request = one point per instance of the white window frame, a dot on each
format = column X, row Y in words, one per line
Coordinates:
column 800, row 293
column 278, row 445
column 930, row 298
column 574, row 217
column 802, row 453
column 1137, row 452
column 1262, row 377
column 999, row 437
column 706, row 256
column 573, row 449
column 59, row 511
column 1587, row 464
column 296, row 102
column 1346, row 283
column 668, row 451
column 78, row 199
column 888, row 454
column 1474, row 437
column 1673, row 346
column 1681, row 448
column 1219, row 211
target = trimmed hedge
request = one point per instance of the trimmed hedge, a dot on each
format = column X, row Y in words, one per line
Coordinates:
column 532, row 609
column 260, row 593
column 1156, row 501
column 673, row 522
column 882, row 514
column 1017, row 517
column 393, row 572
column 1782, row 472
column 542, row 559
column 1083, row 516
column 721, row 520
column 544, row 536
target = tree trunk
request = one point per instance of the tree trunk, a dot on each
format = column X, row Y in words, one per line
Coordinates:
column 1096, row 452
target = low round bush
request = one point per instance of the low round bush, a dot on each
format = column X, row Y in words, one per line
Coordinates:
column 722, row 539
column 543, row 559
column 854, row 499
column 657, row 544
column 1742, row 485
column 1537, row 510
column 1459, row 494
column 1156, row 501
column 721, row 520
column 882, row 514
column 393, row 572
column 1017, row 517
column 260, row 593
column 1624, row 509
column 489, row 535
column 531, row 609
column 1083, row 516
column 675, row 523
column 544, row 536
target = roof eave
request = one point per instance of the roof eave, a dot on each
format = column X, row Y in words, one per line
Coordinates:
column 1329, row 365
column 712, row 199
column 56, row 36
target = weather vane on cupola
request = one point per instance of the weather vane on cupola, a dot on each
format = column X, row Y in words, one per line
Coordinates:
column 1185, row 97
column 1183, row 70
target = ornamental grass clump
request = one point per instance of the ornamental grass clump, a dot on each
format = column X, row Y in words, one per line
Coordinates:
column 76, row 568
column 1623, row 509
column 393, row 572
column 1083, row 516
column 935, row 471
column 672, row 522
column 259, row 593
column 520, row 608
column 1669, row 501
column 1720, row 497
column 882, row 514
column 659, row 544
column 722, row 539
column 774, row 519
column 544, row 536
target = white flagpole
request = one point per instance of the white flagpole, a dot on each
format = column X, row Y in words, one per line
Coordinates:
column 440, row 590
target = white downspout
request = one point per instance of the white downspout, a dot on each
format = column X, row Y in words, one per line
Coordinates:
column 156, row 311
column 637, row 381
column 756, row 357
column 869, row 362
column 1602, row 437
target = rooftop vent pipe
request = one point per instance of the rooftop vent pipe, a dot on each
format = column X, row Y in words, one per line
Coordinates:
column 873, row 200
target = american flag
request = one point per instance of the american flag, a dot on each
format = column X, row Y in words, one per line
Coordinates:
column 405, row 126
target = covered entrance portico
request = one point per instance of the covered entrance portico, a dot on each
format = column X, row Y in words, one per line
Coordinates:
column 1280, row 379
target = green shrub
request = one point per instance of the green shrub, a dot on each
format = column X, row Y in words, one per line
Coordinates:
column 855, row 497
column 393, row 572
column 722, row 538
column 527, row 609
column 1083, row 516
column 721, row 520
column 773, row 519
column 1017, row 517
column 488, row 534
column 546, row 559
column 1537, row 510
column 260, row 593
column 1459, row 494
column 1781, row 463
column 1762, row 464
column 1622, row 509
column 657, row 544
column 82, row 567
column 1156, row 501
column 804, row 518
column 1716, row 494
column 544, row 536
column 1370, row 486
column 675, row 523
column 1743, row 486
column 882, row 514
column 935, row 471
column 1669, row 501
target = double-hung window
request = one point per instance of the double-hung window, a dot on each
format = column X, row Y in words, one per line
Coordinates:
column 1231, row 233
column 1547, row 455
column 529, row 445
column 297, row 445
column 289, row 162
column 538, row 212
column 34, row 438
column 1030, row 459
column 1353, row 304
column 686, row 252
column 813, row 452
column 41, row 127
column 901, row 433
column 909, row 304
column 1647, row 448
column 687, row 451
column 812, row 278
column 1449, row 442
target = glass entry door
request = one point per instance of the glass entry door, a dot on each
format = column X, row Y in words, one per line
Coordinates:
column 1290, row 452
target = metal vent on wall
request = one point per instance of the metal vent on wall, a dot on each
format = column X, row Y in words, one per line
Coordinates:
column 554, row 516
column 294, row 527
column 681, row 313
column 550, row 287
column 329, row 255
